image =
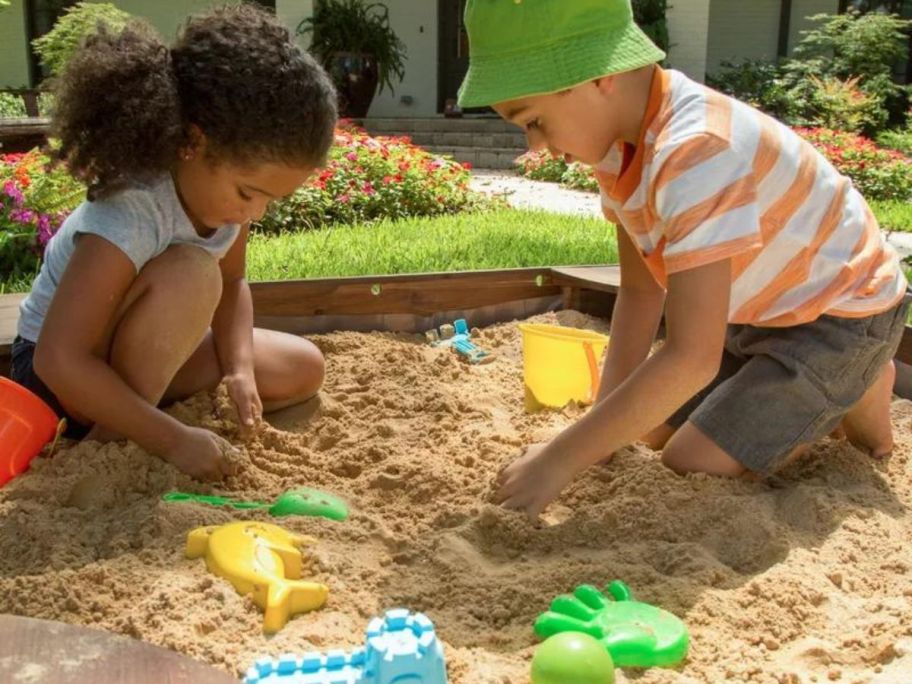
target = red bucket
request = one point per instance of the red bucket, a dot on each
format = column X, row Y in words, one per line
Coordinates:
column 27, row 424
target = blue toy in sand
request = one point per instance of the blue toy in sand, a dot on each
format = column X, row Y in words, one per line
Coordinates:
column 401, row 648
column 460, row 341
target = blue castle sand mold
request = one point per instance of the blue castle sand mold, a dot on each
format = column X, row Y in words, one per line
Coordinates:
column 401, row 648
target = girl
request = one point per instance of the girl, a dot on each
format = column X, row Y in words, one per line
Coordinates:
column 142, row 300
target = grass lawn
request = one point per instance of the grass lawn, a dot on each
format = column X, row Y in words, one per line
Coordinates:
column 506, row 238
column 893, row 215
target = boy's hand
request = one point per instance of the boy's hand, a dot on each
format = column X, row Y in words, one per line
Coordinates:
column 203, row 455
column 534, row 480
column 243, row 392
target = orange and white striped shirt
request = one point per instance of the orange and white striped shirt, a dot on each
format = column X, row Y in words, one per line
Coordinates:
column 713, row 178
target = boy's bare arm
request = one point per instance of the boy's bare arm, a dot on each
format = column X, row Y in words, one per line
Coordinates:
column 696, row 320
column 636, row 317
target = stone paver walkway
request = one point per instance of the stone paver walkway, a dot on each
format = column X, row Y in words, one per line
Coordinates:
column 523, row 193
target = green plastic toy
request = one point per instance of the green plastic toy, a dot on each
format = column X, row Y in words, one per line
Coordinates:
column 303, row 501
column 634, row 634
column 572, row 658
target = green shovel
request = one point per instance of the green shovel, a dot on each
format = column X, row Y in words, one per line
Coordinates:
column 303, row 501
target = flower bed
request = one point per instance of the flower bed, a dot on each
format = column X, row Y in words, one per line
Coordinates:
column 878, row 173
column 369, row 178
column 34, row 200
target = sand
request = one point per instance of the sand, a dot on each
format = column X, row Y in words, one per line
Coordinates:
column 803, row 577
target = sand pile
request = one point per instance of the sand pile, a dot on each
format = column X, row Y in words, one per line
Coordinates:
column 804, row 577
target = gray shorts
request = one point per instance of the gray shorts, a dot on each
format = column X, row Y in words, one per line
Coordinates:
column 778, row 388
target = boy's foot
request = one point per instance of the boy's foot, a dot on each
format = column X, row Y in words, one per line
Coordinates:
column 867, row 425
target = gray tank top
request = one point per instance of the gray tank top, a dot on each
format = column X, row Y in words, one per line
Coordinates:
column 142, row 222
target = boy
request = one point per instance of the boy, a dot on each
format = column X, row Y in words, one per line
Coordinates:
column 783, row 304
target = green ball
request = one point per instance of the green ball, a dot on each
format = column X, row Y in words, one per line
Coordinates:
column 572, row 658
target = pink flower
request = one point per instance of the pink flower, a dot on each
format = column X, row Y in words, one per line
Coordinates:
column 351, row 156
column 367, row 188
column 344, row 199
column 11, row 191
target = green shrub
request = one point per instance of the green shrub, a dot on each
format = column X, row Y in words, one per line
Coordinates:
column 579, row 177
column 758, row 83
column 12, row 105
column 843, row 105
column 542, row 166
column 899, row 140
column 841, row 75
column 545, row 166
column 78, row 22
column 370, row 178
column 651, row 17
column 847, row 46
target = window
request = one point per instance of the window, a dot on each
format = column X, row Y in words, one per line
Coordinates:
column 890, row 6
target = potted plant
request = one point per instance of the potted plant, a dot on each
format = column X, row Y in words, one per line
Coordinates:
column 356, row 45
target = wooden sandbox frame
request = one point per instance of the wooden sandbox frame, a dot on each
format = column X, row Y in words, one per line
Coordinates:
column 416, row 303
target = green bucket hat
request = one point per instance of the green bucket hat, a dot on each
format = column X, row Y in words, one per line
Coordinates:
column 519, row 48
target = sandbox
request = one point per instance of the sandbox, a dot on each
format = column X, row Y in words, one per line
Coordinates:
column 806, row 576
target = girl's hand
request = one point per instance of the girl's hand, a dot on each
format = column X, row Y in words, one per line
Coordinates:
column 203, row 455
column 243, row 392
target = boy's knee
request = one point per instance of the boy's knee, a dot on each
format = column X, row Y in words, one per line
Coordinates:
column 657, row 438
column 675, row 459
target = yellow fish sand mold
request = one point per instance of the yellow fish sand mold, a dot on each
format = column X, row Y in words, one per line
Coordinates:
column 264, row 561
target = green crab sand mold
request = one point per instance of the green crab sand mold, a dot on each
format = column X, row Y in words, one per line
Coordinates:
column 634, row 634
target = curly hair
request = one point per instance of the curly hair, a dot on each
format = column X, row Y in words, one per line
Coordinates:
column 126, row 103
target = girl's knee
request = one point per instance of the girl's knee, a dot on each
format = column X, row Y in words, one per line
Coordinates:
column 300, row 374
column 186, row 271
column 311, row 367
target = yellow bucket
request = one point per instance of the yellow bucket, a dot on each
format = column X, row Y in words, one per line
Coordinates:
column 560, row 364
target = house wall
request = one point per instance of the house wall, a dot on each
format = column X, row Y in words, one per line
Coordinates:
column 801, row 10
column 293, row 12
column 165, row 15
column 416, row 24
column 688, row 28
column 741, row 30
column 13, row 50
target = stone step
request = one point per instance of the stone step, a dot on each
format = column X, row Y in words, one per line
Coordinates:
column 490, row 158
column 440, row 124
column 481, row 140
